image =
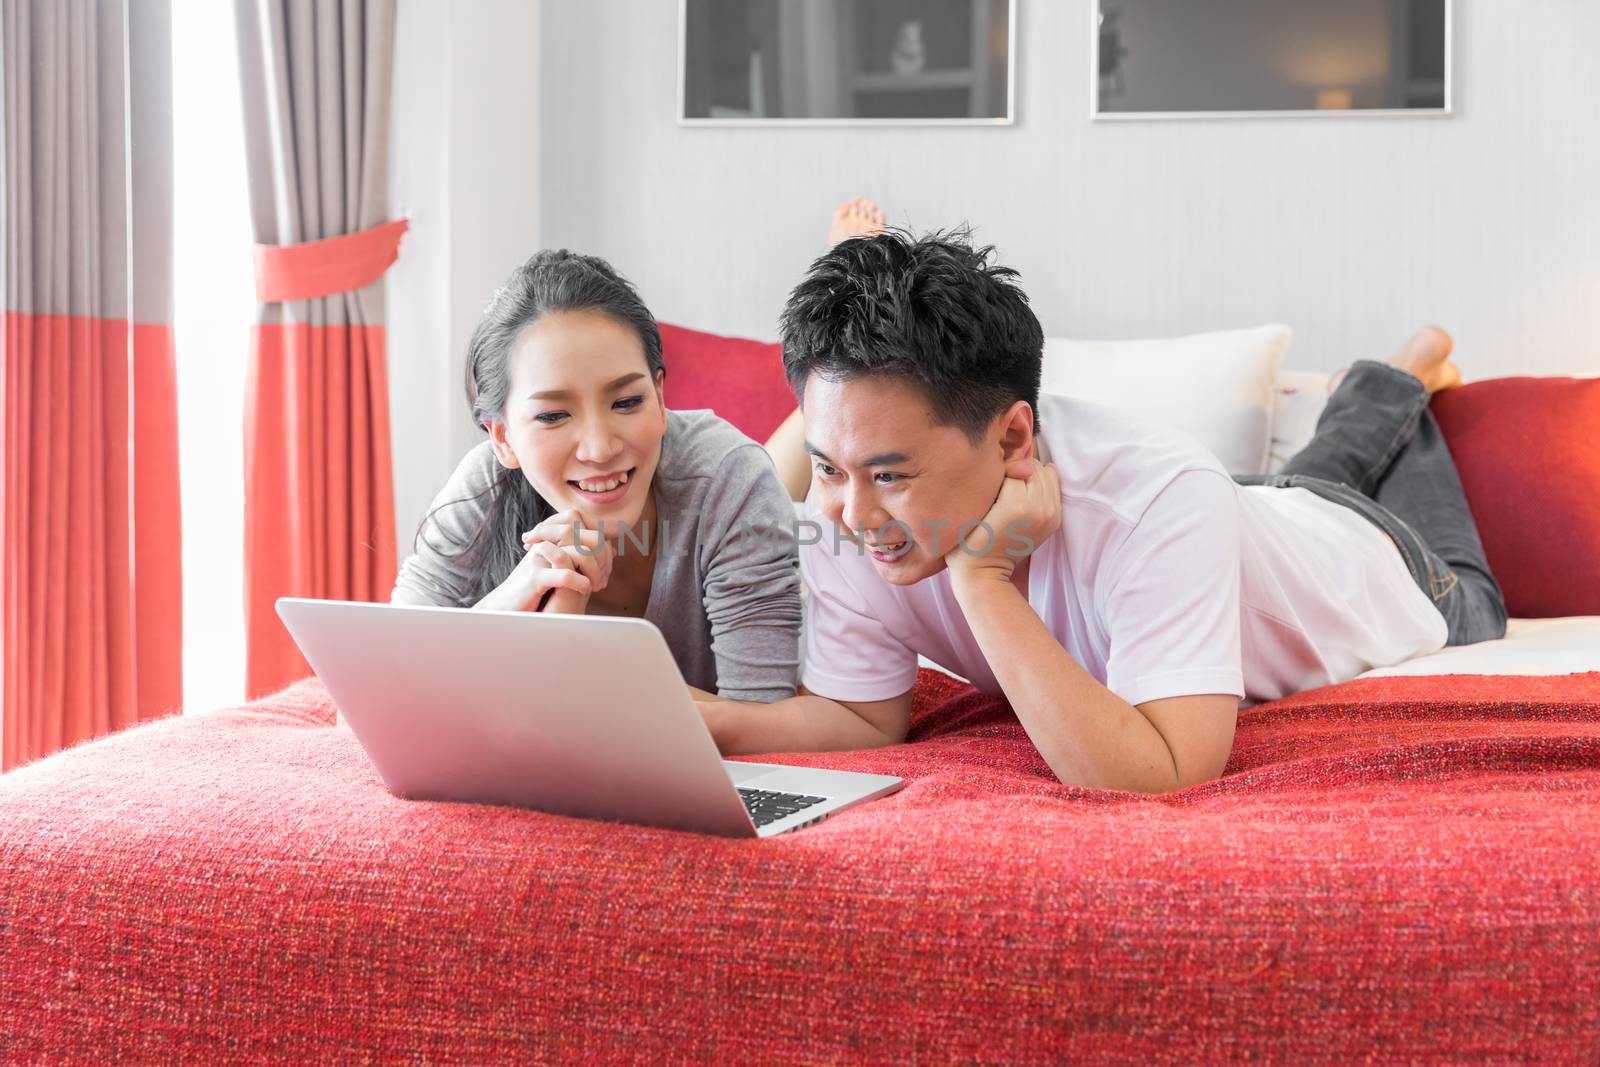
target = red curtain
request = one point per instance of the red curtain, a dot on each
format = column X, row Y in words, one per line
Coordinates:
column 89, row 508
column 319, row 490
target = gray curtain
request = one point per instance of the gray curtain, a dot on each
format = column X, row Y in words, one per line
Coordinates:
column 319, row 491
column 317, row 83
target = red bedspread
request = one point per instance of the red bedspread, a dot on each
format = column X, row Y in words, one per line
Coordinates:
column 1402, row 867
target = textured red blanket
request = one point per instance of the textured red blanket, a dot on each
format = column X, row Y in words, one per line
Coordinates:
column 1402, row 867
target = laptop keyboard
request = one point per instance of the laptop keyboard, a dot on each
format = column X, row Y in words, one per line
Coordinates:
column 767, row 806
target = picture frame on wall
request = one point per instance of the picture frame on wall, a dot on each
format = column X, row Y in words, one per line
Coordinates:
column 847, row 63
column 1164, row 59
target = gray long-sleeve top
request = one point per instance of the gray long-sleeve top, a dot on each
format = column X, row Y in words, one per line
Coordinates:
column 726, row 587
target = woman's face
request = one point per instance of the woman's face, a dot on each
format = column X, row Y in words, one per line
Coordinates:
column 583, row 418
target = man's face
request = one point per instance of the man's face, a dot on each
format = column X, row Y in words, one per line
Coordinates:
column 892, row 478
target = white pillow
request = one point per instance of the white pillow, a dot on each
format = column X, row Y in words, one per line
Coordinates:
column 1300, row 398
column 1217, row 386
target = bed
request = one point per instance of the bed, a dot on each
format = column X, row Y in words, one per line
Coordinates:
column 1401, row 865
column 1531, row 646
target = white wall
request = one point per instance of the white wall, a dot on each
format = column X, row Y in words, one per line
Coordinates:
column 464, row 166
column 1351, row 229
column 519, row 122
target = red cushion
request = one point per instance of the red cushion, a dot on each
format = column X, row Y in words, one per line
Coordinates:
column 1404, row 864
column 1528, row 450
column 740, row 380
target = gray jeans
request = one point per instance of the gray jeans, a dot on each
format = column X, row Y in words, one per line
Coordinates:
column 1379, row 452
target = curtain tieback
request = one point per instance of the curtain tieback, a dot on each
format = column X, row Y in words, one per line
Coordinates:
column 323, row 268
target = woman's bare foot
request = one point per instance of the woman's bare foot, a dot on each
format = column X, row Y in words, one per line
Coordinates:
column 856, row 217
column 787, row 447
column 1425, row 356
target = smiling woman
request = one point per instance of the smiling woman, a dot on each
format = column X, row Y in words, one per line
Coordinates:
column 590, row 497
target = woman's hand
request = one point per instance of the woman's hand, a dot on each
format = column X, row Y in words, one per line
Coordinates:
column 554, row 570
column 592, row 556
column 545, row 579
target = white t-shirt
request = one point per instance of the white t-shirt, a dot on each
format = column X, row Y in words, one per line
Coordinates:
column 1166, row 579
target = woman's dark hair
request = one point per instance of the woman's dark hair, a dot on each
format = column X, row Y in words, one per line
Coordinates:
column 550, row 280
column 930, row 310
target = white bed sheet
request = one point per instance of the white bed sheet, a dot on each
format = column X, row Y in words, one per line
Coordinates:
column 1531, row 646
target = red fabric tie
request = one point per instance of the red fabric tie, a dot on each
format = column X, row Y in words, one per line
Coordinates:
column 323, row 268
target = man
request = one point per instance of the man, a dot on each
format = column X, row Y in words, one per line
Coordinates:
column 1106, row 576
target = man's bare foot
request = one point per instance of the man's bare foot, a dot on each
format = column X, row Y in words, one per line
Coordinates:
column 856, row 217
column 1425, row 356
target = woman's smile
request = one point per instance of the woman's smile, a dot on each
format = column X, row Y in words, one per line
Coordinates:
column 603, row 488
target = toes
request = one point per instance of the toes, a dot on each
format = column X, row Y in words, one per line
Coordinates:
column 1423, row 351
column 1435, row 340
column 856, row 217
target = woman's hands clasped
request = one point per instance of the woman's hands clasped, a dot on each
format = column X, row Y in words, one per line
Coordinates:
column 568, row 561
column 555, row 575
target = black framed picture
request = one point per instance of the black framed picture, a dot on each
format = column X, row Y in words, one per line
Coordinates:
column 830, row 62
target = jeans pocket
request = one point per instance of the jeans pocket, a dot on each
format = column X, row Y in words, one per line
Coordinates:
column 1441, row 583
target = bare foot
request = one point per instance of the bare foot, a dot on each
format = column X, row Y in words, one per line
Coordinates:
column 1426, row 356
column 856, row 217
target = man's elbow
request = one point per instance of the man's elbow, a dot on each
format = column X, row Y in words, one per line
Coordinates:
column 1164, row 772
column 1196, row 736
column 1198, row 769
column 880, row 733
column 886, row 721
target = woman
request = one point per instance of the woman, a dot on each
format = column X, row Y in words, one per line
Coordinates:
column 591, row 497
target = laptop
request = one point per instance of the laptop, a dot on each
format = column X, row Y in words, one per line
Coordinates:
column 572, row 714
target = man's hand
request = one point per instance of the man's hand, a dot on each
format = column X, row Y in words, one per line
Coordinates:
column 1026, row 511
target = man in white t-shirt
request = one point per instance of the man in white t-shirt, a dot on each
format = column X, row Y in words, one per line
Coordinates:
column 1105, row 575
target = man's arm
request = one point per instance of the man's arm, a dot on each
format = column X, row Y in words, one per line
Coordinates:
column 1087, row 734
column 804, row 723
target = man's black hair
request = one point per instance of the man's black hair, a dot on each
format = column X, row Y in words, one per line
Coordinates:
column 930, row 310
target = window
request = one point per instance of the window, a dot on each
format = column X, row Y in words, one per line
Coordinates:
column 214, row 298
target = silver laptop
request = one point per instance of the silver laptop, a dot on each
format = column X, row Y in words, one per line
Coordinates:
column 573, row 714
